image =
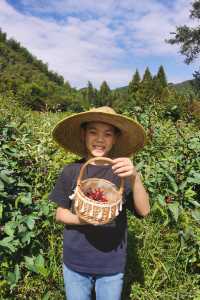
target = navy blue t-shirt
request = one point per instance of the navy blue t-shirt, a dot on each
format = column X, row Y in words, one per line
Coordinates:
column 88, row 248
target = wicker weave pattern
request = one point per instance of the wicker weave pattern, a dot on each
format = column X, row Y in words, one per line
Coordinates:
column 90, row 210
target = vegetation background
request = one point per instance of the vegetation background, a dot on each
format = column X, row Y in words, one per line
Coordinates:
column 164, row 249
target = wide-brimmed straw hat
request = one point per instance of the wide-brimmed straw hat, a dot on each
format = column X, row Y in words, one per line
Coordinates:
column 132, row 137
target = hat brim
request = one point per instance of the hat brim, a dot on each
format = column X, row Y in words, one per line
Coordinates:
column 67, row 133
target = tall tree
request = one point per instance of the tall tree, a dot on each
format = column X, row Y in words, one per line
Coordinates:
column 90, row 93
column 161, row 77
column 159, row 83
column 104, row 94
column 147, row 75
column 134, row 83
column 189, row 38
column 145, row 94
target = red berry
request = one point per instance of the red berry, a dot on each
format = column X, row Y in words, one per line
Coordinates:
column 168, row 199
column 96, row 194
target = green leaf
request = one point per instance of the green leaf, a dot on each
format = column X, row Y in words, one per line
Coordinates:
column 47, row 296
column 9, row 243
column 196, row 214
column 27, row 237
column 36, row 264
column 10, row 227
column 40, row 267
column 29, row 263
column 25, row 198
column 24, row 184
column 194, row 144
column 1, row 185
column 172, row 182
column 160, row 209
column 30, row 222
column 189, row 194
column 194, row 202
column 195, row 179
column 1, row 211
column 5, row 178
column 13, row 277
column 174, row 209
column 44, row 208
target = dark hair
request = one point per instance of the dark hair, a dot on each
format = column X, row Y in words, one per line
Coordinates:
column 117, row 130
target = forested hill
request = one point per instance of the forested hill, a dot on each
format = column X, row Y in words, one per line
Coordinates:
column 29, row 79
column 30, row 82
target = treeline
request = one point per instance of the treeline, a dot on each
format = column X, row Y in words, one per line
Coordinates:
column 144, row 93
column 29, row 80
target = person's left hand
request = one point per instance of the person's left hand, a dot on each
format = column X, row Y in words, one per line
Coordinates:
column 123, row 167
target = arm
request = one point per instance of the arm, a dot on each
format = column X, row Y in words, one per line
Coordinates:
column 123, row 167
column 140, row 196
column 64, row 215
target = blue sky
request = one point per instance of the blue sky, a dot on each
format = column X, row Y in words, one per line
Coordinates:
column 89, row 40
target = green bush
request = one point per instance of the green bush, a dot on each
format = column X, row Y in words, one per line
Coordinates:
column 163, row 252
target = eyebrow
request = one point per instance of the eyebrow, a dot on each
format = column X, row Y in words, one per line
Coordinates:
column 88, row 125
column 95, row 128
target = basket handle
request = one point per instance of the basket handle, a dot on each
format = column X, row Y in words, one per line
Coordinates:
column 105, row 159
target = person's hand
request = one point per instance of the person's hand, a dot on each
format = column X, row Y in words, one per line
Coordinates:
column 123, row 167
column 81, row 221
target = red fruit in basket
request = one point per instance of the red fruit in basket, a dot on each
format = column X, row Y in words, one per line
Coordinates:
column 97, row 195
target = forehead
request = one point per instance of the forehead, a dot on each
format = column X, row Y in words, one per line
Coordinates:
column 100, row 125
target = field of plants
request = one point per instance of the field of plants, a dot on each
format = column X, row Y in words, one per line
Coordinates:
column 164, row 248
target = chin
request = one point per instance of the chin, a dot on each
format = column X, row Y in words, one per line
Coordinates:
column 97, row 154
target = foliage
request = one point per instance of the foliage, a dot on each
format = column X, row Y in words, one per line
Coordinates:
column 188, row 39
column 134, row 84
column 163, row 252
column 29, row 79
column 28, row 163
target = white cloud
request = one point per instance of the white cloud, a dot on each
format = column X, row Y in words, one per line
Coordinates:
column 94, row 41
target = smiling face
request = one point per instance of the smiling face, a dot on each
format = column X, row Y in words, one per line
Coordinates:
column 99, row 138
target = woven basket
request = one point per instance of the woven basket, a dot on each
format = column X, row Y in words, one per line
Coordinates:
column 92, row 211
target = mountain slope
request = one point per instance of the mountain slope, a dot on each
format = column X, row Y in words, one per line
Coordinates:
column 29, row 79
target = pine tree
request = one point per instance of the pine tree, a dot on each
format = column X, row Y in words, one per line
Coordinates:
column 147, row 75
column 161, row 77
column 159, row 83
column 134, row 83
column 104, row 95
column 90, row 93
column 144, row 95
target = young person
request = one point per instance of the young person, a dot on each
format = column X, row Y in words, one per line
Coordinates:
column 95, row 256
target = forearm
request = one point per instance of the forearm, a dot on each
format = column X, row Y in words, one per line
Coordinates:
column 140, row 197
column 65, row 216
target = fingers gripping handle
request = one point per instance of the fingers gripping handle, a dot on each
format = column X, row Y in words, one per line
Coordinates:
column 103, row 159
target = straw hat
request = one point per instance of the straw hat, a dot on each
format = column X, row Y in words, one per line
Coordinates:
column 132, row 137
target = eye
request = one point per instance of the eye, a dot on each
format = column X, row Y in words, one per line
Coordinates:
column 108, row 134
column 91, row 131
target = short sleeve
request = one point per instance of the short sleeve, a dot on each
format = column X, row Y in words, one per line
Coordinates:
column 62, row 189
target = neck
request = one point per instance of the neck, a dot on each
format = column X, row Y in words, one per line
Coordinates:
column 96, row 162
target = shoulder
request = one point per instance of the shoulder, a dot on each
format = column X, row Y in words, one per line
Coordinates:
column 72, row 167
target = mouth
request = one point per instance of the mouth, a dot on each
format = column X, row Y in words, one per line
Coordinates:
column 99, row 148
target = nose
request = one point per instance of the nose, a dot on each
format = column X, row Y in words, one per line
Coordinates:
column 100, row 137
